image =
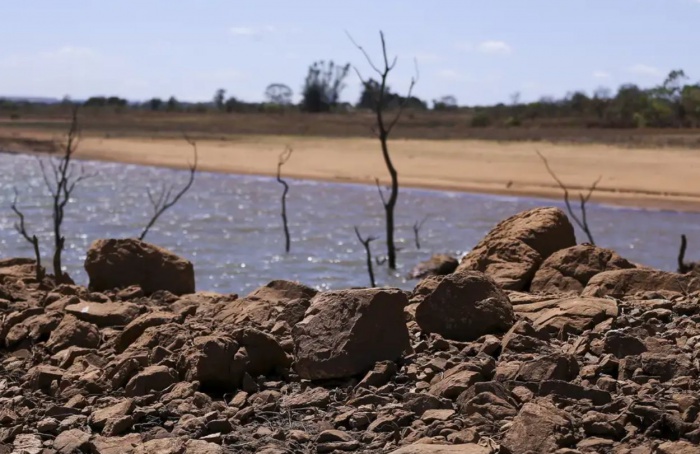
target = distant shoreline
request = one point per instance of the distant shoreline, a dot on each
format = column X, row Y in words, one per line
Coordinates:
column 662, row 178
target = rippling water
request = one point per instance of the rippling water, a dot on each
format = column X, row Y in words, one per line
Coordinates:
column 230, row 228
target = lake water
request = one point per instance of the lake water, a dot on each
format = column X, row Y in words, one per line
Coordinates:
column 229, row 226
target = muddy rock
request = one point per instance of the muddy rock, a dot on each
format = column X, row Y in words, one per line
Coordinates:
column 120, row 263
column 512, row 251
column 346, row 332
column 465, row 306
column 570, row 269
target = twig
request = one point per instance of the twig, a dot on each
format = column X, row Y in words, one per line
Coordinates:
column 283, row 158
column 366, row 243
column 165, row 200
column 583, row 221
column 21, row 228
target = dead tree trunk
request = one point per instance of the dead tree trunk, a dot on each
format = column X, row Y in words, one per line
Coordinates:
column 165, row 199
column 61, row 185
column 582, row 222
column 383, row 130
column 368, row 251
column 284, row 157
column 683, row 266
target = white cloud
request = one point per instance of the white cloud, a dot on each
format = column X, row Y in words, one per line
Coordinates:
column 494, row 47
column 254, row 32
column 646, row 70
column 601, row 75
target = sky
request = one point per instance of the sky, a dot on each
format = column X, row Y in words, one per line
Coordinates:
column 480, row 51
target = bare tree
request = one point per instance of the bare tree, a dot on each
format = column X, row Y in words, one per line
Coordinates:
column 582, row 222
column 383, row 129
column 33, row 240
column 165, row 199
column 284, row 157
column 416, row 231
column 368, row 251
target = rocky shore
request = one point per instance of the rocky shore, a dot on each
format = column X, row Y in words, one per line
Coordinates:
column 534, row 344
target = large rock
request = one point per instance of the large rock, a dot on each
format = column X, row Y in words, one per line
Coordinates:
column 277, row 300
column 112, row 264
column 539, row 428
column 464, row 306
column 621, row 283
column 219, row 362
column 346, row 332
column 136, row 327
column 570, row 269
column 570, row 315
column 517, row 246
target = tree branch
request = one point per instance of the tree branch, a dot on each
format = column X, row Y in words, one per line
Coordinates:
column 368, row 251
column 283, row 158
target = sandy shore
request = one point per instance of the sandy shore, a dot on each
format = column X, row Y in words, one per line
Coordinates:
column 665, row 178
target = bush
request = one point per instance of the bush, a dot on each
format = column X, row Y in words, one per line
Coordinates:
column 14, row 116
column 513, row 122
column 481, row 120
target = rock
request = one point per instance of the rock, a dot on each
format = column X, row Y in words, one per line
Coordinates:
column 161, row 446
column 437, row 265
column 420, row 403
column 420, row 448
column 632, row 281
column 335, row 440
column 27, row 444
column 513, row 250
column 72, row 332
column 539, row 428
column 100, row 417
column 137, row 327
column 104, row 314
column 574, row 392
column 571, row 315
column 570, row 269
column 620, row 344
column 677, row 447
column 455, row 381
column 41, row 376
column 312, row 397
column 70, row 441
column 120, row 263
column 115, row 445
column 276, row 300
column 465, row 306
column 202, row 447
column 346, row 332
column 152, row 378
column 556, row 366
column 380, row 375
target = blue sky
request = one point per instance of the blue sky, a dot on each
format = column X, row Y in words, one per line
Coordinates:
column 480, row 51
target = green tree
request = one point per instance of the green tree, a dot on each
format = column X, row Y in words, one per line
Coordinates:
column 219, row 97
column 172, row 104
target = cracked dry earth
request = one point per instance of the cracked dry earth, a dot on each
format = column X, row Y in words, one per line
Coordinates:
column 533, row 345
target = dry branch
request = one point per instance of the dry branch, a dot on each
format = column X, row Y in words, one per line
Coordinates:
column 582, row 222
column 283, row 158
column 33, row 240
column 368, row 251
column 165, row 198
column 383, row 130
column 416, row 231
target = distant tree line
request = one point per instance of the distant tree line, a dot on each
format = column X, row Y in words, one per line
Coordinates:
column 672, row 103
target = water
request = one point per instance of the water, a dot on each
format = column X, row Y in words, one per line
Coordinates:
column 229, row 226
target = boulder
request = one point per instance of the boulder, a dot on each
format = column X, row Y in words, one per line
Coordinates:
column 570, row 269
column 104, row 314
column 138, row 326
column 464, row 306
column 629, row 282
column 277, row 300
column 539, row 428
column 346, row 332
column 513, row 250
column 72, row 332
column 120, row 263
column 572, row 315
column 152, row 378
column 70, row 441
column 437, row 265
